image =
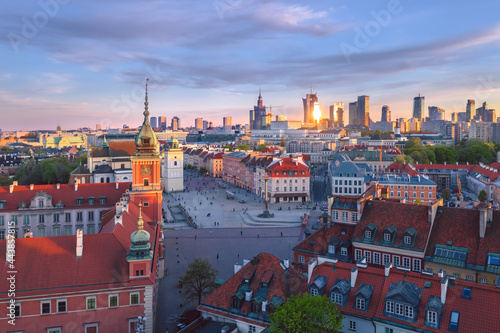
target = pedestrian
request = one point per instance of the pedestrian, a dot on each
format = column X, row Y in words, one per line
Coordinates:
column 258, row 236
column 241, row 232
column 217, row 256
column 194, row 236
column 282, row 234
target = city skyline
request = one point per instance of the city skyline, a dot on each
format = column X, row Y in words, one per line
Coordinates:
column 91, row 60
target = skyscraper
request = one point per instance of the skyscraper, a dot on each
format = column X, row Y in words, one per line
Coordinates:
column 258, row 115
column 363, row 114
column 227, row 123
column 418, row 107
column 176, row 123
column 337, row 115
column 386, row 114
column 470, row 110
column 198, row 123
column 154, row 123
column 353, row 110
column 436, row 113
column 309, row 107
column 162, row 122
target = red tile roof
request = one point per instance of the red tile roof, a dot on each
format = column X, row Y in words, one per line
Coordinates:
column 322, row 236
column 402, row 216
column 66, row 194
column 288, row 164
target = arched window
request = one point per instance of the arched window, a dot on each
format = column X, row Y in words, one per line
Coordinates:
column 146, row 182
column 102, row 180
column 107, row 179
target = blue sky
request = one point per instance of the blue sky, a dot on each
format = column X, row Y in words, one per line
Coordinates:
column 78, row 63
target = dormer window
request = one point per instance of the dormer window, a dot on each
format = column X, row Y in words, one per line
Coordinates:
column 3, row 203
column 331, row 249
column 40, row 203
column 102, row 200
column 360, row 304
column 313, row 292
column 236, row 303
column 79, row 201
column 407, row 240
column 368, row 234
column 91, row 200
column 255, row 307
column 336, row 298
column 387, row 237
column 432, row 317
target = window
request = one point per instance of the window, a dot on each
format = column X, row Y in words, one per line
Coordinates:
column 432, row 317
column 90, row 229
column 335, row 214
column 14, row 219
column 91, row 303
column 2, row 220
column 67, row 230
column 303, row 188
column 41, row 232
column 336, row 297
column 91, row 216
column 336, row 182
column 102, row 200
column 389, row 307
column 345, row 216
column 56, row 218
column 45, row 307
column 395, row 260
column 399, row 193
column 407, row 240
column 301, row 259
column 376, row 258
column 68, row 217
column 469, row 278
column 79, row 216
column 314, row 292
column 352, row 325
column 252, row 329
column 53, row 330
column 389, row 330
column 357, row 254
column 414, row 194
column 399, row 309
column 483, row 280
column 40, row 204
column 343, row 251
column 360, row 303
column 56, row 231
column 134, row 298
column 254, row 307
column 408, row 311
column 41, row 219
column 26, row 219
column 368, row 255
column 91, row 200
column 277, row 189
column 79, row 201
column 368, row 234
column 387, row 258
column 422, row 195
column 61, row 306
column 113, row 301
column 406, row 262
column 454, row 321
column 456, row 275
column 331, row 249
column 354, row 217
column 392, row 194
column 387, row 237
column 417, row 265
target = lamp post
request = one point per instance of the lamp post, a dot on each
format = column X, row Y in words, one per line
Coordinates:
column 140, row 325
column 265, row 213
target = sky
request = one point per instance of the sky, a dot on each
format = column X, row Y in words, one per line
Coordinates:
column 79, row 63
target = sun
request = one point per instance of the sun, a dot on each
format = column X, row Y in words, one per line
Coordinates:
column 316, row 112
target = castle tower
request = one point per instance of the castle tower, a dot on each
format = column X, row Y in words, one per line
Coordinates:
column 140, row 255
column 146, row 169
column 173, row 174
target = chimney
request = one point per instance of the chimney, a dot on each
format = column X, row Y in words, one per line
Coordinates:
column 264, row 305
column 444, row 162
column 483, row 221
column 77, row 181
column 310, row 267
column 237, row 268
column 441, row 273
column 15, row 183
column 354, row 276
column 489, row 211
column 11, row 188
column 79, row 242
column 117, row 185
column 286, row 262
column 387, row 269
column 58, row 186
column 248, row 295
column 444, row 289
column 32, row 186
column 457, row 163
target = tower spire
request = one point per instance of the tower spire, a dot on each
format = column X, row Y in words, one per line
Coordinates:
column 259, row 92
column 140, row 222
column 146, row 103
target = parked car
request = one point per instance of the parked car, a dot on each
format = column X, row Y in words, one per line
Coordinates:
column 242, row 201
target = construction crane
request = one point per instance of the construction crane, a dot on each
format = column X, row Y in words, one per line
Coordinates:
column 270, row 107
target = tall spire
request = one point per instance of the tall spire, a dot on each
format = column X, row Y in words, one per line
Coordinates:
column 146, row 103
column 140, row 222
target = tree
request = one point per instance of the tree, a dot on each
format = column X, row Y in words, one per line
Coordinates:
column 366, row 133
column 446, row 194
column 228, row 147
column 404, row 159
column 198, row 281
column 482, row 196
column 378, row 132
column 445, row 154
column 306, row 313
column 203, row 171
column 260, row 147
column 283, row 141
column 243, row 147
column 5, row 181
column 413, row 143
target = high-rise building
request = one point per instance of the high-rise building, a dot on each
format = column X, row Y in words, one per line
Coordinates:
column 176, row 123
column 309, row 107
column 470, row 110
column 386, row 114
column 436, row 113
column 205, row 124
column 97, row 127
column 162, row 122
column 363, row 113
column 154, row 122
column 485, row 114
column 227, row 123
column 418, row 107
column 353, row 116
column 198, row 123
column 281, row 117
column 258, row 115
column 337, row 115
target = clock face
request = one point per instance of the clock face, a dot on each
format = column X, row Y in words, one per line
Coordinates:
column 145, row 170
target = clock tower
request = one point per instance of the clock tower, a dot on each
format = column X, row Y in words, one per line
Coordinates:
column 146, row 169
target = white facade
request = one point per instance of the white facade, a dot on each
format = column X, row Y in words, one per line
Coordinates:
column 173, row 170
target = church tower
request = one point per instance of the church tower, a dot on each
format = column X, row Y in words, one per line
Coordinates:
column 140, row 256
column 173, row 172
column 146, row 169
